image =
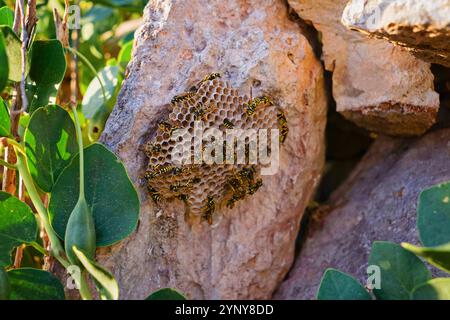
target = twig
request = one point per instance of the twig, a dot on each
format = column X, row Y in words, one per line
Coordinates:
column 24, row 39
column 17, row 15
column 74, row 68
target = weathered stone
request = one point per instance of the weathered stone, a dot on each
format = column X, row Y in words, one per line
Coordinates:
column 248, row 250
column 375, row 84
column 377, row 202
column 422, row 26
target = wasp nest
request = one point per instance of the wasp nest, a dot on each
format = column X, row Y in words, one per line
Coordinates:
column 202, row 185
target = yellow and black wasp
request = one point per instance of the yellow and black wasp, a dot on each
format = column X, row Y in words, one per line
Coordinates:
column 209, row 77
column 209, row 209
column 254, row 187
column 152, row 148
column 282, row 125
column 167, row 127
column 228, row 124
column 248, row 173
column 181, row 97
column 156, row 197
column 251, row 106
column 199, row 113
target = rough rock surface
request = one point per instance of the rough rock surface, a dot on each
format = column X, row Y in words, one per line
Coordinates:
column 422, row 26
column 377, row 202
column 247, row 252
column 375, row 84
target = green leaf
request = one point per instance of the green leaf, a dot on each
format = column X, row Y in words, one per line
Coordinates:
column 337, row 285
column 105, row 281
column 34, row 284
column 93, row 100
column 14, row 53
column 40, row 95
column 433, row 219
column 438, row 256
column 6, row 17
column 436, row 289
column 109, row 193
column 166, row 294
column 17, row 226
column 50, row 142
column 125, row 54
column 401, row 271
column 5, row 285
column 4, row 70
column 48, row 62
column 5, row 125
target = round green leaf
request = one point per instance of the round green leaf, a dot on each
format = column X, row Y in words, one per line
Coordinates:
column 337, row 285
column 17, row 226
column 48, row 62
column 50, row 142
column 6, row 16
column 14, row 53
column 5, row 125
column 34, row 284
column 93, row 100
column 436, row 289
column 109, row 193
column 4, row 70
column 401, row 271
column 433, row 219
column 437, row 256
column 166, row 294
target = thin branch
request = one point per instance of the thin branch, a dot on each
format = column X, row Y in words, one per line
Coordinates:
column 17, row 15
column 24, row 39
column 74, row 68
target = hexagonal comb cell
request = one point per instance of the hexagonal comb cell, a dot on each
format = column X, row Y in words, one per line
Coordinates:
column 205, row 186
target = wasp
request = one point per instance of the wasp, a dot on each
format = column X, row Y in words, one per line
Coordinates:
column 156, row 197
column 165, row 170
column 228, row 124
column 209, row 209
column 235, row 183
column 252, row 104
column 151, row 148
column 248, row 173
column 167, row 127
column 282, row 125
column 235, row 198
column 152, row 172
column 199, row 113
column 209, row 77
column 181, row 97
column 253, row 188
column 183, row 197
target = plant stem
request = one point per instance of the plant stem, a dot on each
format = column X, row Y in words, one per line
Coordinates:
column 8, row 165
column 91, row 67
column 84, row 287
column 38, row 247
column 56, row 247
column 81, row 151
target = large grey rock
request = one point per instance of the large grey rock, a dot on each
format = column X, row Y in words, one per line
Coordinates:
column 247, row 252
column 422, row 26
column 375, row 84
column 377, row 202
